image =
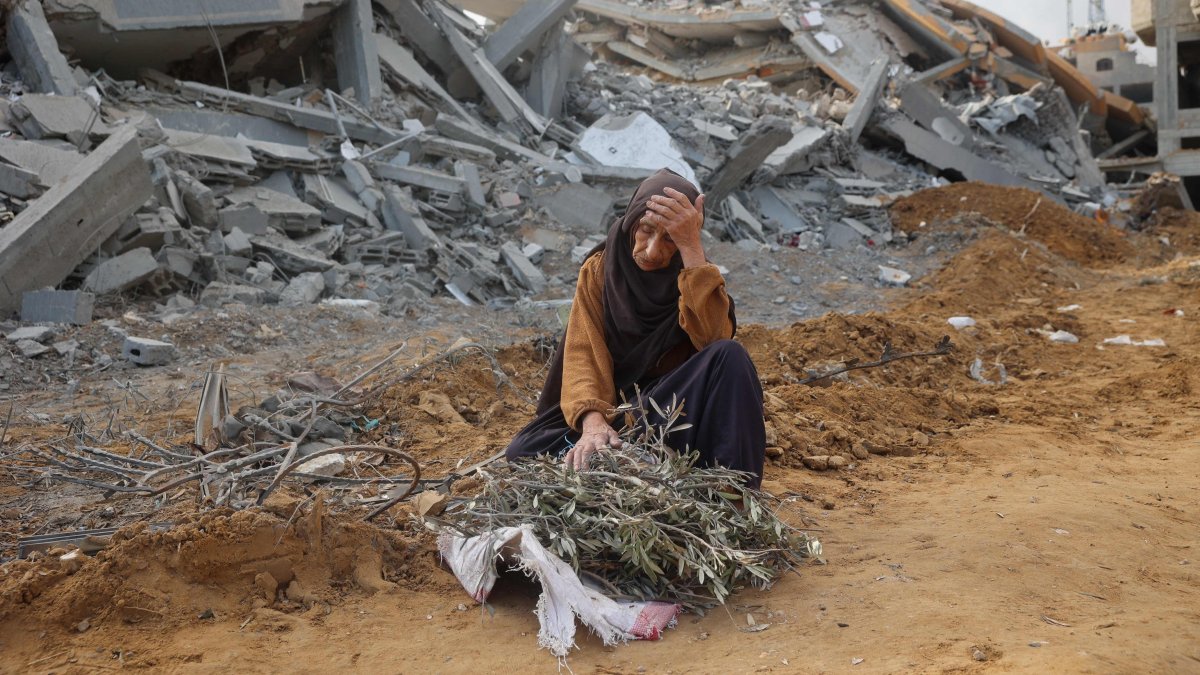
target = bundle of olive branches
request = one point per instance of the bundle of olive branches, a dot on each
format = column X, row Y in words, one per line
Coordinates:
column 645, row 522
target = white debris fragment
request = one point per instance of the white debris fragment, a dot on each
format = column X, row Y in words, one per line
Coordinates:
column 893, row 276
column 1063, row 337
column 1129, row 341
column 1070, row 308
column 813, row 19
column 961, row 322
column 829, row 41
column 325, row 465
column 635, row 140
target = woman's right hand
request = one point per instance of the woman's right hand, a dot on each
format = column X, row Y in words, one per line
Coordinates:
column 598, row 434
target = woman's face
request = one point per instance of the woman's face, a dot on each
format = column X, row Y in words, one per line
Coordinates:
column 652, row 246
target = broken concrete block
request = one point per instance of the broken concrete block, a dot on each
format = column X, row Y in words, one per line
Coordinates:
column 35, row 51
column 35, row 333
column 284, row 213
column 237, row 242
column 747, row 155
column 218, row 294
column 303, row 289
column 868, row 98
column 124, row 271
column 469, row 173
column 51, row 306
column 841, row 236
column 50, row 164
column 147, row 352
column 198, row 200
column 534, row 252
column 796, row 156
column 527, row 274
column 247, row 218
column 178, row 261
column 290, row 256
column 635, row 141
column 145, row 230
column 47, row 240
column 576, row 205
column 31, row 349
column 401, row 214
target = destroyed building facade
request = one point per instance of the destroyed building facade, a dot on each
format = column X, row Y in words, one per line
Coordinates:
column 296, row 151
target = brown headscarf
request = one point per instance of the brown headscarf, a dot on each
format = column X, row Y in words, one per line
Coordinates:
column 641, row 309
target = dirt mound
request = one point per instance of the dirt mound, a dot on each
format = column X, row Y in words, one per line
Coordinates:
column 221, row 563
column 889, row 410
column 1172, row 381
column 1085, row 241
column 995, row 271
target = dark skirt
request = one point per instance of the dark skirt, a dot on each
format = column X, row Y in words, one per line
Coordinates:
column 722, row 400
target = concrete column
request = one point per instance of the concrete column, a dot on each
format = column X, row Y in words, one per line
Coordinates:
column 355, row 51
column 1166, row 83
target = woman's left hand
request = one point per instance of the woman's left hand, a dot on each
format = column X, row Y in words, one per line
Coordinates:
column 679, row 217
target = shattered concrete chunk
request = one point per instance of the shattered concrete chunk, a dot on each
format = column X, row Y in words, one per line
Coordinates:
column 527, row 274
column 218, row 294
column 291, row 257
column 31, row 349
column 147, row 352
column 51, row 306
column 122, row 272
column 303, row 289
column 401, row 214
column 765, row 136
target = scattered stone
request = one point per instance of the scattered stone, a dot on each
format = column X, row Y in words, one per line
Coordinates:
column 31, row 349
column 147, row 352
column 303, row 289
column 218, row 294
column 325, row 465
column 817, row 462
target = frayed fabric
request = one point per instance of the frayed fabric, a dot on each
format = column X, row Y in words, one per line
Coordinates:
column 564, row 596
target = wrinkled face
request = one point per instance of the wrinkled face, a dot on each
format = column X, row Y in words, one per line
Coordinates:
column 652, row 246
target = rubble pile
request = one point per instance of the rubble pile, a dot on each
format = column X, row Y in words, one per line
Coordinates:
column 380, row 155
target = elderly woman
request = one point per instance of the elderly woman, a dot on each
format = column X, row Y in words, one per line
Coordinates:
column 651, row 314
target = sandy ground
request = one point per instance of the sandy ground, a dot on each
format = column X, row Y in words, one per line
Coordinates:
column 1046, row 525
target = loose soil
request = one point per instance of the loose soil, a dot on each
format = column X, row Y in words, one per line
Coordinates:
column 1048, row 524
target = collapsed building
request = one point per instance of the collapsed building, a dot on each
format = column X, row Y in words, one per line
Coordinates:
column 380, row 154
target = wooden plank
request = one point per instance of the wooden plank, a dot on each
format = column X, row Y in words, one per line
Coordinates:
column 49, row 239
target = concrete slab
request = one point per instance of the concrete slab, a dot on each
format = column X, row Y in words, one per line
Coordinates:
column 636, row 141
column 524, row 30
column 41, row 116
column 577, row 206
column 765, row 136
column 122, row 272
column 47, row 240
